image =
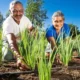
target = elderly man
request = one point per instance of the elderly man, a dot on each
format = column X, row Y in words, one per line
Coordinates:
column 12, row 26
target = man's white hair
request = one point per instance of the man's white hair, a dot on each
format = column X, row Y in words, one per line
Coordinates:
column 13, row 3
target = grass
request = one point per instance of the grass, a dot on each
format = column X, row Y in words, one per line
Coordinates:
column 32, row 48
column 27, row 50
column 65, row 49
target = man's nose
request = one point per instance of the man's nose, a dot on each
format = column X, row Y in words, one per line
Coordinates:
column 18, row 12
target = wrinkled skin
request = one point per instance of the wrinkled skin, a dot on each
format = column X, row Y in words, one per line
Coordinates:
column 58, row 23
column 17, row 12
column 21, row 65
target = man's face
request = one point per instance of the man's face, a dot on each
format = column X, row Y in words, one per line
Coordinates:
column 17, row 12
column 58, row 22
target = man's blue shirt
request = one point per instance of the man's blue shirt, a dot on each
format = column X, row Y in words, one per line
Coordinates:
column 64, row 32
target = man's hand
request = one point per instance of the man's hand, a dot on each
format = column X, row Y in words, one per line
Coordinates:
column 21, row 64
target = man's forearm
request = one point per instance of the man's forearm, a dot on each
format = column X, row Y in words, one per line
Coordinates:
column 13, row 44
column 15, row 49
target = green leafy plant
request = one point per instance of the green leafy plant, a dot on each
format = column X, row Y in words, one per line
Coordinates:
column 32, row 48
column 27, row 48
column 44, row 64
column 65, row 50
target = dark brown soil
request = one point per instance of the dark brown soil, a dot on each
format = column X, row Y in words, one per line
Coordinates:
column 9, row 71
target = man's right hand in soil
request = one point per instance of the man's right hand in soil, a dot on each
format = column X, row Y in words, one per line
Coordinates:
column 21, row 64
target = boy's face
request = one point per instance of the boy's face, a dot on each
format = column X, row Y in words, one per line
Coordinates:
column 58, row 22
column 17, row 12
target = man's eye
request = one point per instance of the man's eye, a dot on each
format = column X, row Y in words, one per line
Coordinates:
column 15, row 11
column 56, row 21
column 60, row 21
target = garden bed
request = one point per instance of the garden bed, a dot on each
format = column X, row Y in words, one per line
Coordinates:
column 9, row 71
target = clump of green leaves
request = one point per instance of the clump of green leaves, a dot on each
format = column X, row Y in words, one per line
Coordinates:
column 32, row 48
column 65, row 49
column 44, row 64
column 27, row 49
